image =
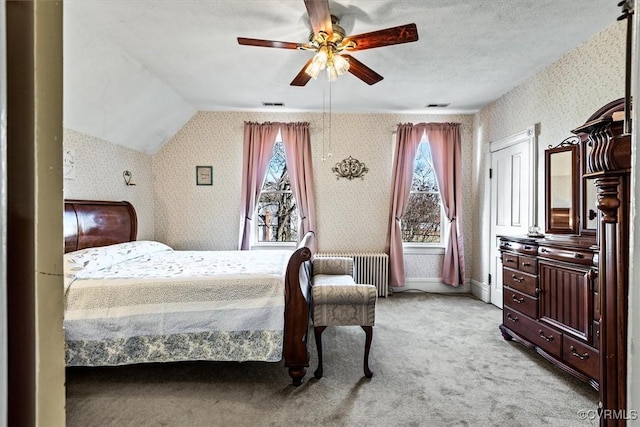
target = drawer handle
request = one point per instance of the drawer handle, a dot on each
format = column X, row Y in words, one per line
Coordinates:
column 526, row 264
column 538, row 290
column 578, row 256
column 510, row 260
column 584, row 356
column 546, row 338
column 517, row 279
column 543, row 250
column 516, row 299
column 514, row 319
column 527, row 248
column 507, row 244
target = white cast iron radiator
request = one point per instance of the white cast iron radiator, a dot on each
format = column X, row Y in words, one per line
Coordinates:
column 369, row 268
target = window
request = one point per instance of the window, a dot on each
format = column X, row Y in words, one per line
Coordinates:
column 422, row 222
column 276, row 208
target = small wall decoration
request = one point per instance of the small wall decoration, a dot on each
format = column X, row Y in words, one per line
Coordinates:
column 127, row 175
column 69, row 163
column 350, row 168
column 204, row 175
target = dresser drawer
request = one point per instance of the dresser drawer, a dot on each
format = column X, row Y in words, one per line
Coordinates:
column 520, row 281
column 521, row 302
column 524, row 248
column 567, row 255
column 584, row 358
column 509, row 260
column 528, row 264
column 544, row 337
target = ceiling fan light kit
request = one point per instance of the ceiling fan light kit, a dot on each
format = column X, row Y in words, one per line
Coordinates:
column 331, row 45
column 328, row 58
column 328, row 48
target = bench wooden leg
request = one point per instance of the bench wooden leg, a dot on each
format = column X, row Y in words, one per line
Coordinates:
column 368, row 330
column 318, row 330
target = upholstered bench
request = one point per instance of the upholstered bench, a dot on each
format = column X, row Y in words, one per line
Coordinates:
column 339, row 301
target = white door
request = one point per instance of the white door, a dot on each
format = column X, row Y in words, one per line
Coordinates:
column 513, row 197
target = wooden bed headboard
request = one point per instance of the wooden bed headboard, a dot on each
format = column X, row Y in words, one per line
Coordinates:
column 92, row 223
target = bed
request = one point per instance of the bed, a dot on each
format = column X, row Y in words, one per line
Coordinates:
column 129, row 301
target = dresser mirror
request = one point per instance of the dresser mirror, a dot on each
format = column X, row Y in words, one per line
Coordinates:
column 562, row 188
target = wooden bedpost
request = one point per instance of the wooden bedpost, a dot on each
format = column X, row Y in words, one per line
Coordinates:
column 296, row 311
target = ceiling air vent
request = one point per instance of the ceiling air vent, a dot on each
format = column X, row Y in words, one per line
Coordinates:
column 273, row 104
column 437, row 105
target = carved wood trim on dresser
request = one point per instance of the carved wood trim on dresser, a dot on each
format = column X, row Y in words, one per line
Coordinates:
column 609, row 166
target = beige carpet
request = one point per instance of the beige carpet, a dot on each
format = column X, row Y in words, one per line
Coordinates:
column 437, row 361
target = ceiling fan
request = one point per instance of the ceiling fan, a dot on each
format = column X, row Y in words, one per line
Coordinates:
column 331, row 45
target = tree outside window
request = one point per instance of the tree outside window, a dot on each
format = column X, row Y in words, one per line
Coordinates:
column 422, row 221
column 277, row 210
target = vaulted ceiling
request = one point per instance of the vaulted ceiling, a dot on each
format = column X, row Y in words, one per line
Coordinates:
column 136, row 71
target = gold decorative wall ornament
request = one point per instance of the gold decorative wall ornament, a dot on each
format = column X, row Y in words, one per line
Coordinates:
column 350, row 168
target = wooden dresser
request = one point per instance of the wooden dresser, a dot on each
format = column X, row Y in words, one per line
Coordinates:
column 566, row 294
column 550, row 301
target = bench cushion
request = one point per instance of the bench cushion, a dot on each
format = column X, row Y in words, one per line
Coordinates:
column 343, row 305
column 333, row 265
column 344, row 294
column 332, row 279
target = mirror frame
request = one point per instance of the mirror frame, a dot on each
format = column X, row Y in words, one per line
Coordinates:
column 568, row 145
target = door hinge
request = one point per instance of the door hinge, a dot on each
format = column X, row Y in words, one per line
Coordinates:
column 489, row 279
column 490, row 173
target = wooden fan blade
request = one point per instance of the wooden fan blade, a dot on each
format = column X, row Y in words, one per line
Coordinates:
column 319, row 16
column 268, row 43
column 387, row 37
column 362, row 72
column 302, row 78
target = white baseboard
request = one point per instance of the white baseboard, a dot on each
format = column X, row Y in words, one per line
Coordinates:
column 432, row 285
column 481, row 290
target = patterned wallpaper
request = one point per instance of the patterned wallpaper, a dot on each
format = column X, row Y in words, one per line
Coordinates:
column 98, row 176
column 351, row 215
column 558, row 99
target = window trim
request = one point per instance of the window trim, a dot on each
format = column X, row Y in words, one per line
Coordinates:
column 430, row 248
column 254, row 242
column 273, row 245
column 425, row 247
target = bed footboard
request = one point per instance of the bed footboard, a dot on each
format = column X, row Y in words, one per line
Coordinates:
column 296, row 311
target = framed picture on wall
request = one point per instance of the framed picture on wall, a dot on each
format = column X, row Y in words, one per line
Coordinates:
column 204, row 175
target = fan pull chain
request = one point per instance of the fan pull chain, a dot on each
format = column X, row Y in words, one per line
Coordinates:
column 324, row 127
column 329, row 154
column 326, row 123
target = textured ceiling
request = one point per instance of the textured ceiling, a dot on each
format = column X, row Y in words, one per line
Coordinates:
column 136, row 71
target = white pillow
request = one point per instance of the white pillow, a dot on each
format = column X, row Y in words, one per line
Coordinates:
column 92, row 259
